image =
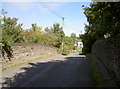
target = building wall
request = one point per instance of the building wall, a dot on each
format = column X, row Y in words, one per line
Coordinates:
column 80, row 44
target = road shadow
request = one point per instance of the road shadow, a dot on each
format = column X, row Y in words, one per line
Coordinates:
column 34, row 68
column 76, row 58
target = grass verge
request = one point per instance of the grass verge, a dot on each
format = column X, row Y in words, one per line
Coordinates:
column 96, row 75
column 23, row 62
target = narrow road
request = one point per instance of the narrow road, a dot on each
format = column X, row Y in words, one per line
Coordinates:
column 58, row 71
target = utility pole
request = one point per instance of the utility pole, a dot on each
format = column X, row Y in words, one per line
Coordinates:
column 62, row 22
column 62, row 30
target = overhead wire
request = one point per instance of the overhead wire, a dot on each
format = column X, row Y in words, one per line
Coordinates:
column 53, row 12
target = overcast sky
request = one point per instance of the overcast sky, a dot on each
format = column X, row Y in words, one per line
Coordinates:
column 45, row 14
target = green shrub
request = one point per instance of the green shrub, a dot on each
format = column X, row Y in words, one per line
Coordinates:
column 65, row 52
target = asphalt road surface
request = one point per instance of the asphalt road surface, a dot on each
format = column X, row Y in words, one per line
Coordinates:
column 57, row 71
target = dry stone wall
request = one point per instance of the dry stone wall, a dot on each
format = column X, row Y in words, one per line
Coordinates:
column 109, row 55
column 26, row 51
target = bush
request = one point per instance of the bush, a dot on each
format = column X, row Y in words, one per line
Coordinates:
column 88, row 40
column 65, row 52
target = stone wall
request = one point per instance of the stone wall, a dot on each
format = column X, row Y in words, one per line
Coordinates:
column 109, row 55
column 26, row 51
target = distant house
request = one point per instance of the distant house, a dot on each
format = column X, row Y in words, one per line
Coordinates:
column 78, row 43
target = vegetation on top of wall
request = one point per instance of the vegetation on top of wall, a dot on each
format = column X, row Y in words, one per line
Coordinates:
column 12, row 32
column 104, row 23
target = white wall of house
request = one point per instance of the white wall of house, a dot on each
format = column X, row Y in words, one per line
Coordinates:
column 80, row 44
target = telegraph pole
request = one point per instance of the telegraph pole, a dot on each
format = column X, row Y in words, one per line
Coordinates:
column 62, row 30
column 62, row 22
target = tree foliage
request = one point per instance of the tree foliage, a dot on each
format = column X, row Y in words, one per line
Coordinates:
column 73, row 36
column 57, row 30
column 11, row 33
column 104, row 23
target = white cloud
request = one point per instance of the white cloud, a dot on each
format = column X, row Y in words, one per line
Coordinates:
column 75, row 26
column 76, row 29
